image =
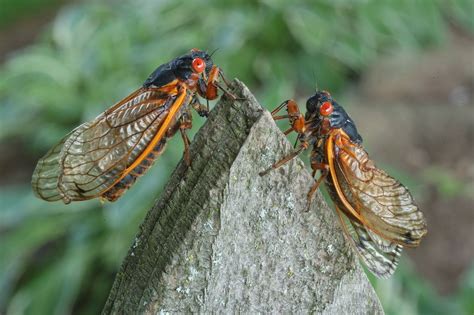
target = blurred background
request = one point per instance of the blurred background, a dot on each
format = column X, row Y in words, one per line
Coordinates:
column 404, row 70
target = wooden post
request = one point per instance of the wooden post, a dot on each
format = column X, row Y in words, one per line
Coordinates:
column 222, row 239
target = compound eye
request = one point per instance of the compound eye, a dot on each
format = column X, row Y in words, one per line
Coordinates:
column 326, row 109
column 198, row 65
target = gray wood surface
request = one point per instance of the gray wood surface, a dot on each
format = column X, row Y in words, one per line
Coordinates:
column 222, row 239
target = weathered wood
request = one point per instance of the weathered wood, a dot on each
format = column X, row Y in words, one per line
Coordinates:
column 222, row 239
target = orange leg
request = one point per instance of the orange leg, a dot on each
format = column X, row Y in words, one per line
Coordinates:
column 229, row 94
column 185, row 123
column 288, row 131
column 286, row 159
column 280, row 117
column 276, row 110
column 202, row 110
column 316, row 166
column 297, row 124
column 211, row 84
column 324, row 173
column 187, row 156
column 294, row 115
column 221, row 74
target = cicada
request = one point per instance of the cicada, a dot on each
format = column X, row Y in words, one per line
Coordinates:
column 104, row 157
column 377, row 213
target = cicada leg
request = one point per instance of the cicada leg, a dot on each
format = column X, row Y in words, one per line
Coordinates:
column 209, row 90
column 213, row 84
column 279, row 108
column 289, row 157
column 317, row 164
column 228, row 85
column 221, row 74
column 294, row 115
column 280, row 117
column 324, row 170
column 297, row 124
column 202, row 110
column 187, row 156
column 186, row 123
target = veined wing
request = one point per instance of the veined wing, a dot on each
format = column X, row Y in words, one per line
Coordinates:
column 382, row 203
column 381, row 256
column 45, row 176
column 97, row 154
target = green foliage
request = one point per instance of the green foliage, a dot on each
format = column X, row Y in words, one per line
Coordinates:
column 461, row 13
column 95, row 53
column 407, row 293
column 14, row 10
column 58, row 258
column 447, row 184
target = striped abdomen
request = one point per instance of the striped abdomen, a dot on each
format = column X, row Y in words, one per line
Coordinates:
column 120, row 187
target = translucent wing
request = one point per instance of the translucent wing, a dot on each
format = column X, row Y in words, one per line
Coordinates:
column 383, row 204
column 379, row 255
column 45, row 176
column 97, row 154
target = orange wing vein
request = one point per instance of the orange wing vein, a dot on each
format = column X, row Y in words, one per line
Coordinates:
column 382, row 203
column 97, row 154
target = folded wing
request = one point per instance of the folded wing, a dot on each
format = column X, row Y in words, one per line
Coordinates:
column 94, row 156
column 385, row 206
column 379, row 255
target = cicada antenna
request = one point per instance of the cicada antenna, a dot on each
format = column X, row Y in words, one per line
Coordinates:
column 212, row 53
column 315, row 80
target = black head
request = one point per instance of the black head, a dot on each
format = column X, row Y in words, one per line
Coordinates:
column 314, row 102
column 196, row 61
column 321, row 106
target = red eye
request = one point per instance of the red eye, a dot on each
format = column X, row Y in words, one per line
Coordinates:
column 198, row 65
column 326, row 109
